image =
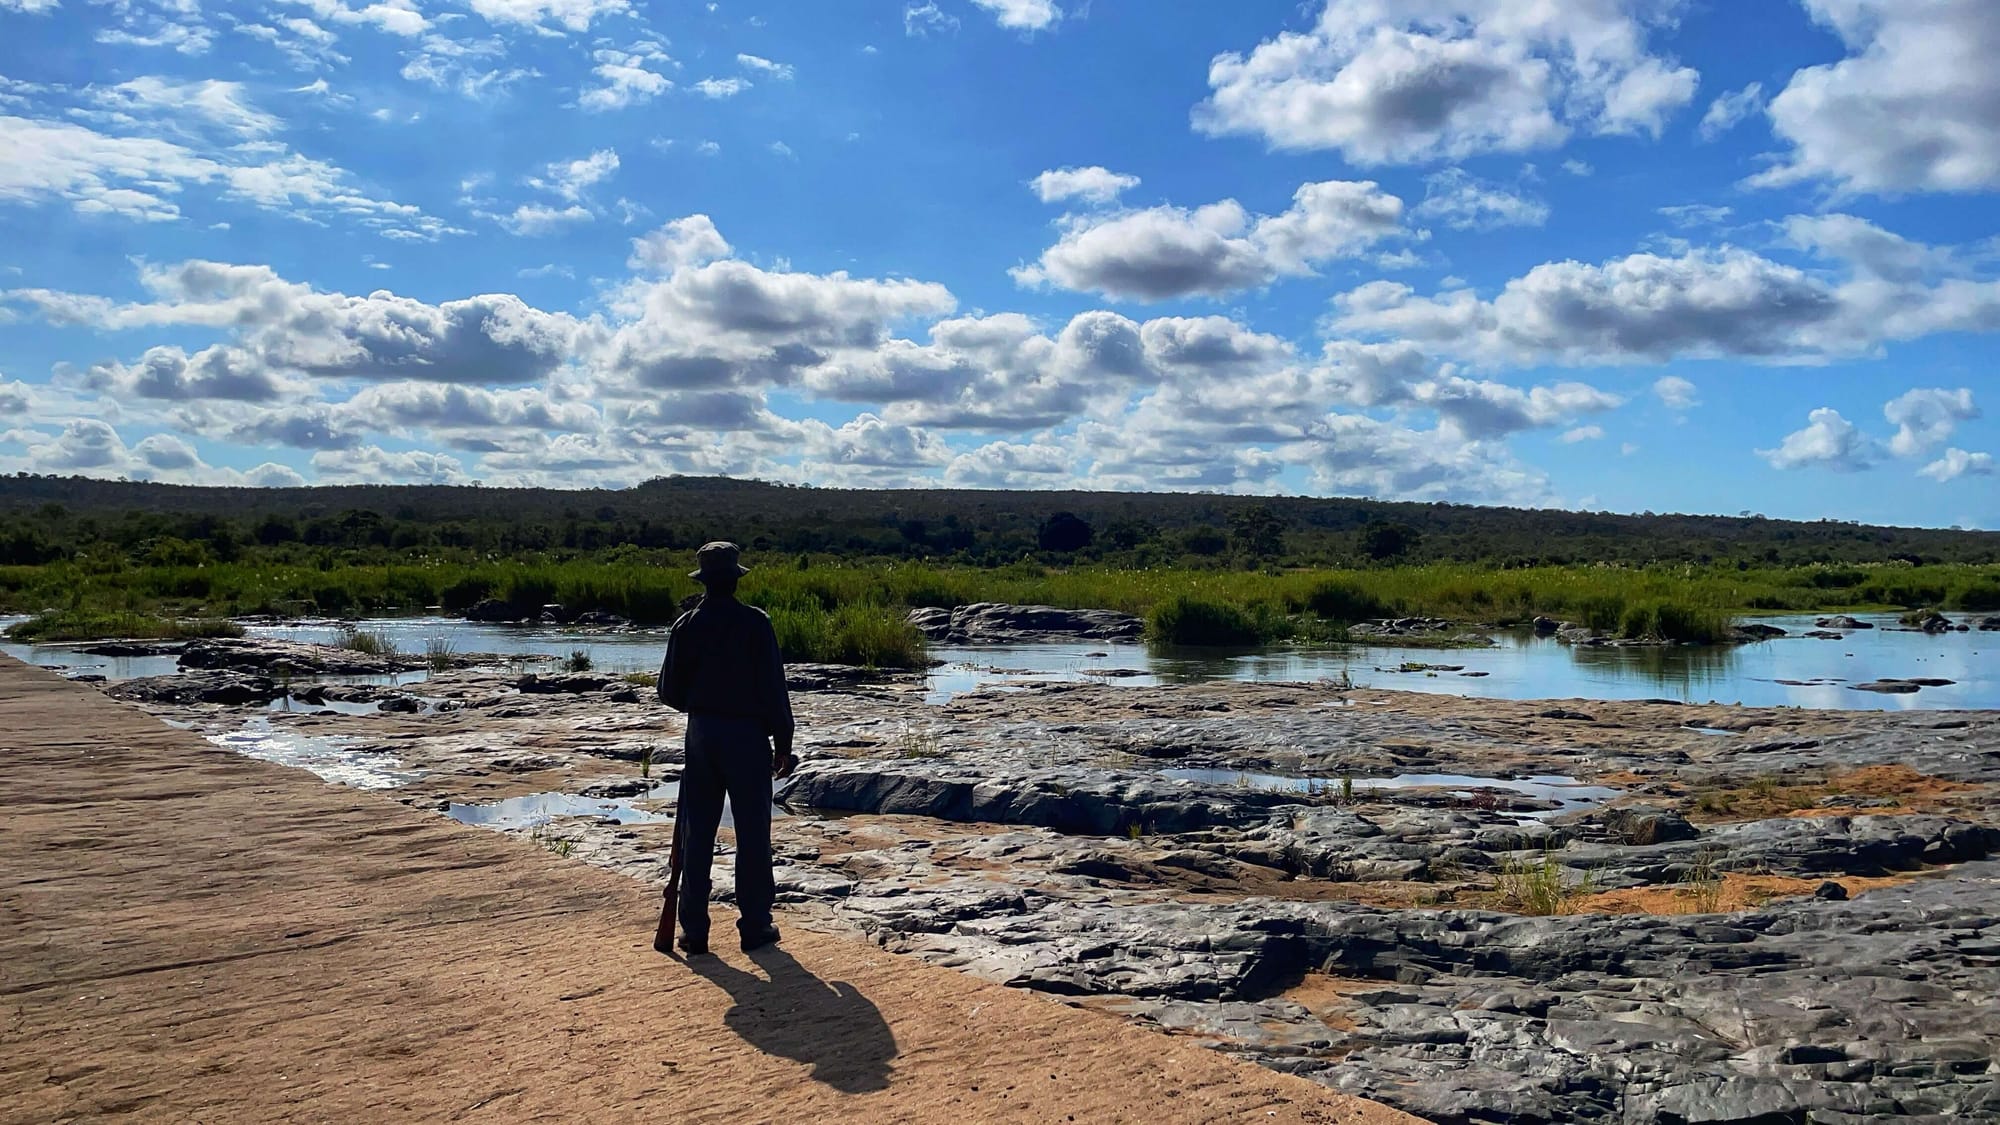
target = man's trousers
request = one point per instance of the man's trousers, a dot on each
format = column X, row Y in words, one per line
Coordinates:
column 733, row 757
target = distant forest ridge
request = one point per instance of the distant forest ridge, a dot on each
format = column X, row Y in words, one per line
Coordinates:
column 979, row 526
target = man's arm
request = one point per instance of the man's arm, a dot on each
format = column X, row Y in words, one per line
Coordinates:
column 774, row 702
column 674, row 671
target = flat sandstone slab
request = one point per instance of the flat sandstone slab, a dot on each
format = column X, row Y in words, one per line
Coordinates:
column 186, row 934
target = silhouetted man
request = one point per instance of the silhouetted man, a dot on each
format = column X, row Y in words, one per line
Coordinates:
column 724, row 671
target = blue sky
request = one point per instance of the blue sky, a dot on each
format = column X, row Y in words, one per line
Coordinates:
column 1669, row 255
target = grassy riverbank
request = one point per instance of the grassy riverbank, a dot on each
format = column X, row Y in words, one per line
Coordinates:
column 845, row 610
column 72, row 625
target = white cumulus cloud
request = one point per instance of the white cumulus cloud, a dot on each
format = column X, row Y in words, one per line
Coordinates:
column 1958, row 463
column 1023, row 15
column 624, row 78
column 1095, row 184
column 1926, row 417
column 1728, row 109
column 1464, row 202
column 1163, row 252
column 719, row 88
column 1399, row 81
column 1676, row 393
column 1828, row 441
column 1914, row 107
column 757, row 64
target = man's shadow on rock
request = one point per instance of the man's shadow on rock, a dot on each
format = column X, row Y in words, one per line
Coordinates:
column 827, row 1025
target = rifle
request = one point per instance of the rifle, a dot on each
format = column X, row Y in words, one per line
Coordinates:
column 663, row 937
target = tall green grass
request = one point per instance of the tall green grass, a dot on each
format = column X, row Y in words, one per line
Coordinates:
column 859, row 604
column 70, row 625
column 874, row 636
column 1187, row 620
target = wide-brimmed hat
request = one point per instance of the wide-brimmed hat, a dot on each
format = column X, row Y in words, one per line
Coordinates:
column 718, row 560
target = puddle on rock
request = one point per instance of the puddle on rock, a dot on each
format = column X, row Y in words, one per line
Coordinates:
column 286, row 704
column 540, row 808
column 329, row 756
column 1568, row 793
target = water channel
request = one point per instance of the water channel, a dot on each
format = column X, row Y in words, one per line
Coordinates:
column 1790, row 671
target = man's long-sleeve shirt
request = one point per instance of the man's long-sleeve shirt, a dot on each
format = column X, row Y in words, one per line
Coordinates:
column 722, row 659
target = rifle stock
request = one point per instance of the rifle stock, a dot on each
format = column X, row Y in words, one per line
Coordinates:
column 663, row 935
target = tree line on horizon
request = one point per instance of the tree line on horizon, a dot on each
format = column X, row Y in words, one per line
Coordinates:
column 46, row 519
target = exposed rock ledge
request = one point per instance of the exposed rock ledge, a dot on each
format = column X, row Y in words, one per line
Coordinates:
column 991, row 623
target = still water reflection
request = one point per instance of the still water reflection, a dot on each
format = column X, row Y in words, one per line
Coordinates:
column 1793, row 671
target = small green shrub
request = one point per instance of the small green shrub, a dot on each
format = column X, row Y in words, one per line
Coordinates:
column 1673, row 621
column 1837, row 578
column 577, row 661
column 1345, row 603
column 1187, row 620
column 1979, row 596
column 1907, row 591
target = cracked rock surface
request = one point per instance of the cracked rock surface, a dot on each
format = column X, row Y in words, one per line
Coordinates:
column 1558, row 911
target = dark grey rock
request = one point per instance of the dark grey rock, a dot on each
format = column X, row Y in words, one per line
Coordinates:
column 223, row 687
column 133, row 648
column 291, row 658
column 495, row 611
column 1807, row 1010
column 839, row 677
column 563, row 683
column 995, row 623
column 1644, row 824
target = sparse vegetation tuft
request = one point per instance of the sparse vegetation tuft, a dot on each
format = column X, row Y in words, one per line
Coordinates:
column 919, row 742
column 545, row 839
column 1701, row 888
column 366, row 641
column 1538, row 886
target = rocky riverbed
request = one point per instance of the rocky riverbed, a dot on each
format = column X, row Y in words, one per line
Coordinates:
column 1476, row 910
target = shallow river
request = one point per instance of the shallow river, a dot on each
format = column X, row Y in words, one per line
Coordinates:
column 1519, row 666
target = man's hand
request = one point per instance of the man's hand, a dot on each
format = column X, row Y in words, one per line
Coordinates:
column 783, row 761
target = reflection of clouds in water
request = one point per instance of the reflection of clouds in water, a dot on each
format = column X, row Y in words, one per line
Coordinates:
column 1525, row 667
column 635, row 650
column 1518, row 667
column 328, row 756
